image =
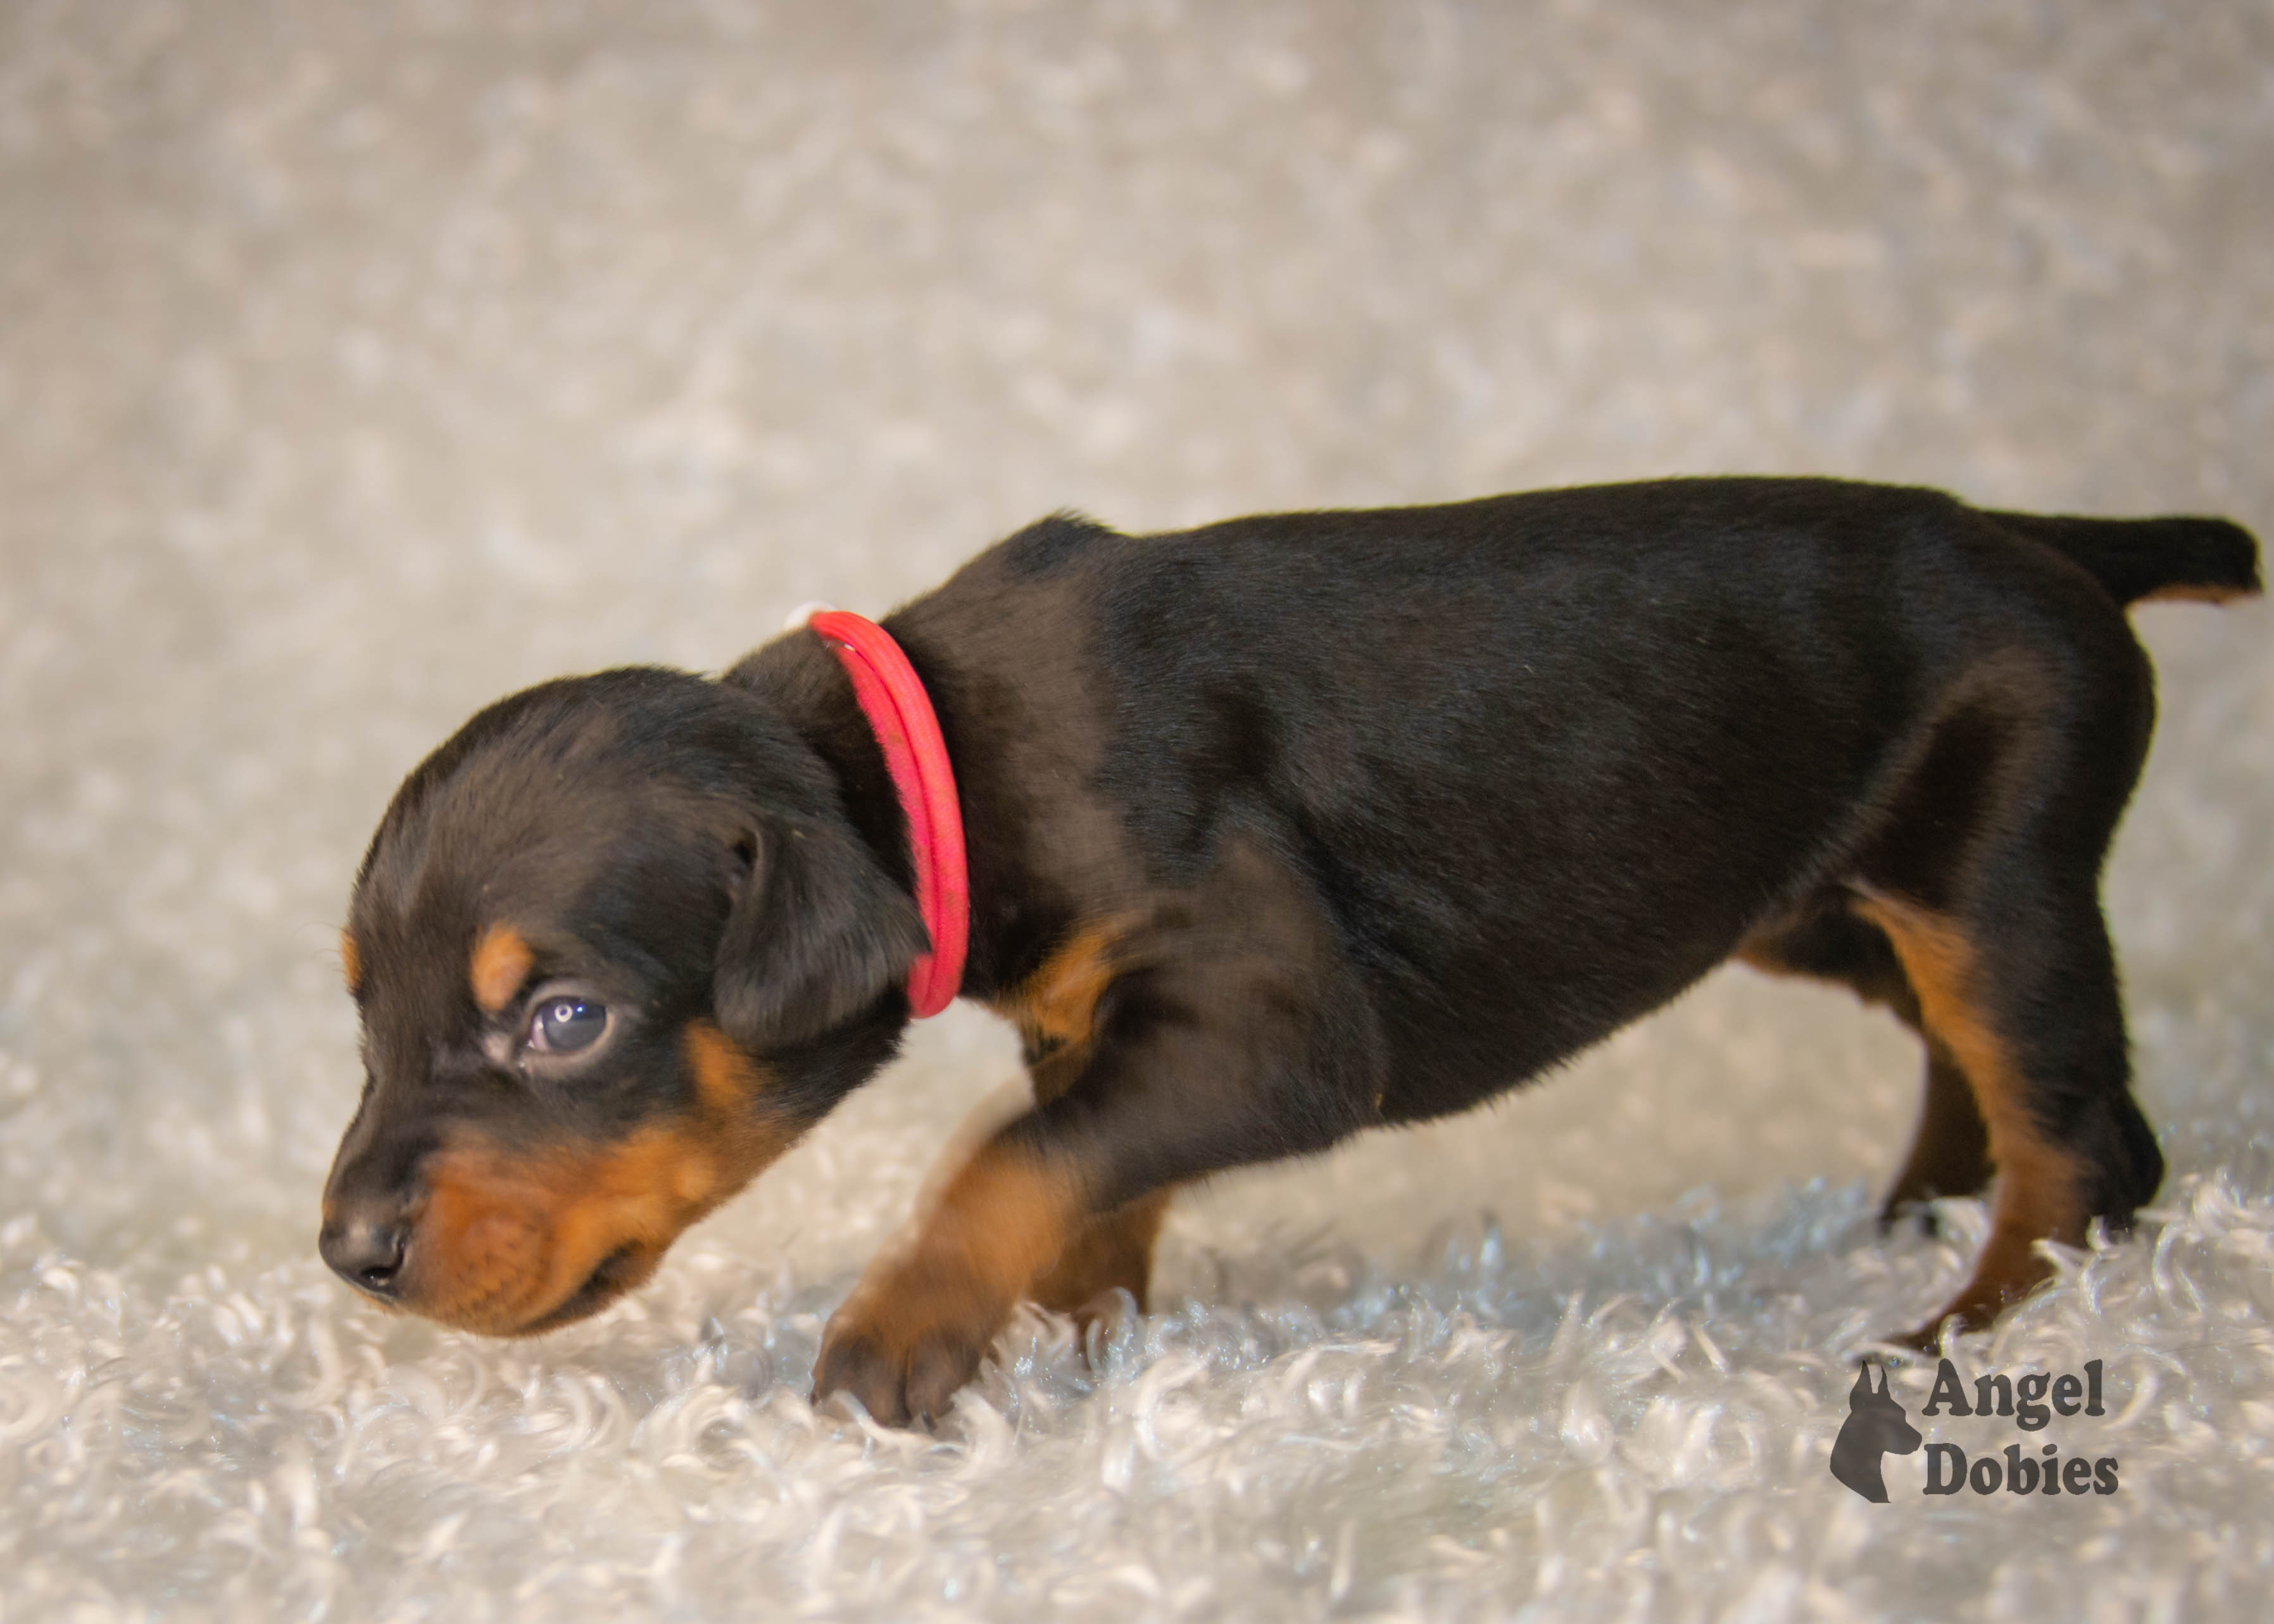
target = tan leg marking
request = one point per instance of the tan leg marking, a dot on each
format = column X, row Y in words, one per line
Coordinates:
column 1005, row 1226
column 2038, row 1182
column 2184, row 594
column 351, row 963
column 510, row 1242
column 914, row 1329
column 1114, row 1252
column 1057, row 1013
column 1004, row 1219
column 500, row 963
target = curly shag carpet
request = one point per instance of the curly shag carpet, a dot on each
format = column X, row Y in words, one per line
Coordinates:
column 361, row 363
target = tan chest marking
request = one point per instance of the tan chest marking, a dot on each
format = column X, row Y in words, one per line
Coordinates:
column 1055, row 1007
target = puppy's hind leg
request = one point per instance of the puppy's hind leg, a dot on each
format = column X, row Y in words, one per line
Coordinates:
column 2067, row 1141
column 1990, row 897
column 1950, row 1148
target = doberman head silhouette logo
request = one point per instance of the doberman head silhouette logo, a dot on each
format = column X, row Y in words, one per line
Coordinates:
column 1876, row 1426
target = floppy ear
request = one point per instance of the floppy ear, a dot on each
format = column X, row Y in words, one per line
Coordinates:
column 817, row 932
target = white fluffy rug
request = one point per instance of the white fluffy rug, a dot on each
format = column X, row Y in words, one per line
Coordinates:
column 361, row 363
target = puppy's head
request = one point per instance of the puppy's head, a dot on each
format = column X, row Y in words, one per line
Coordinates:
column 615, row 946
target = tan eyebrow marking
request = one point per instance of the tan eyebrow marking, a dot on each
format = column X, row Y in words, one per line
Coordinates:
column 500, row 963
column 351, row 963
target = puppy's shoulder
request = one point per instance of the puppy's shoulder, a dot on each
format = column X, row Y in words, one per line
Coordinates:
column 1048, row 547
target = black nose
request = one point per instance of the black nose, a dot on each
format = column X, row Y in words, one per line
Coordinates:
column 365, row 1251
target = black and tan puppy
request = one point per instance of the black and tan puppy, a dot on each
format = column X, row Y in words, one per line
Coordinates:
column 1278, row 830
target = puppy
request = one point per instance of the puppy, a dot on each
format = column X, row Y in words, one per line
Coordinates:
column 1270, row 832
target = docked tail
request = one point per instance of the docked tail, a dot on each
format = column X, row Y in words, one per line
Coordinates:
column 2139, row 558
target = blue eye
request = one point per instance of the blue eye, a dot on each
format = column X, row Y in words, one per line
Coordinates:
column 564, row 1025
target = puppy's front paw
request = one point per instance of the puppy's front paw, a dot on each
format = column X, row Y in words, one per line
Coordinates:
column 906, row 1344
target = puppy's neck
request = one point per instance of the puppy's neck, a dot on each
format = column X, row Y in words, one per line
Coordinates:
column 802, row 680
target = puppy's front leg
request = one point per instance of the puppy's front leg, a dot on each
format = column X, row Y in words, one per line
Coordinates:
column 1216, row 1067
column 915, row 1327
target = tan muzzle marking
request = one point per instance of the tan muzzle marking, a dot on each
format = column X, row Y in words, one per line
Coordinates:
column 510, row 1242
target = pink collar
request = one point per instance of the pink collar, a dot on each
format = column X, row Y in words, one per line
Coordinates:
column 900, row 712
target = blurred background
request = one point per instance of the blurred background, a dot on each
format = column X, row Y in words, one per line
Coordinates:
column 359, row 363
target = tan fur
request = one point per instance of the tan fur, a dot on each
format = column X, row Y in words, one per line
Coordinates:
column 499, row 964
column 1000, row 1225
column 727, row 1080
column 2186, row 594
column 1055, row 1007
column 508, row 1239
column 2038, row 1182
column 1055, row 1012
column 1114, row 1252
column 350, row 964
column 1005, row 1218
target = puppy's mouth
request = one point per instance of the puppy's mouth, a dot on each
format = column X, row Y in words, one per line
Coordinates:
column 625, row 1267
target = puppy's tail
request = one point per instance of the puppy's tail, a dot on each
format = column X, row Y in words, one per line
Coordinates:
column 2136, row 559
